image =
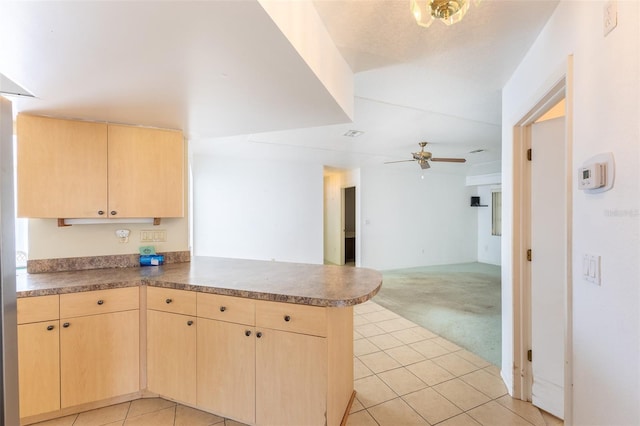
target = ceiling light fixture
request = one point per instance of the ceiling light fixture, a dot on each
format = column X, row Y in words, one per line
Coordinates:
column 448, row 11
column 353, row 133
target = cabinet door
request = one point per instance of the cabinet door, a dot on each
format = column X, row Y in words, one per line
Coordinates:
column 99, row 357
column 39, row 367
column 291, row 378
column 62, row 168
column 226, row 369
column 171, row 355
column 146, row 172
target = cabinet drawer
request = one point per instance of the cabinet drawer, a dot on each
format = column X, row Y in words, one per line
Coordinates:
column 99, row 302
column 291, row 317
column 171, row 300
column 39, row 308
column 227, row 308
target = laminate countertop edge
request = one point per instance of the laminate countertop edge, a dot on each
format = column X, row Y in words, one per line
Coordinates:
column 315, row 285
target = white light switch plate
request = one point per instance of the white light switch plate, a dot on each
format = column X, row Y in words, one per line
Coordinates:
column 591, row 268
column 153, row 236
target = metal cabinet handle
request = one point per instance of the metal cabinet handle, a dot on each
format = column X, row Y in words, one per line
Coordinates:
column 259, row 334
column 113, row 212
column 189, row 322
column 169, row 301
column 100, row 212
column 287, row 318
column 50, row 327
column 247, row 333
column 223, row 308
column 66, row 325
column 100, row 302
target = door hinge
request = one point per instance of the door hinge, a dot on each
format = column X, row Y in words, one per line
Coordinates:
column 529, row 255
column 529, row 154
column 529, row 355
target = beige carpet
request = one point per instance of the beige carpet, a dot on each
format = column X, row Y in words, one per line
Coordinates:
column 458, row 302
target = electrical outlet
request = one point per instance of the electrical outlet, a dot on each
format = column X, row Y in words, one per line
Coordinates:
column 610, row 16
column 123, row 235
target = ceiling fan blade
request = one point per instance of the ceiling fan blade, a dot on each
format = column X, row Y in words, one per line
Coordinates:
column 450, row 160
column 400, row 161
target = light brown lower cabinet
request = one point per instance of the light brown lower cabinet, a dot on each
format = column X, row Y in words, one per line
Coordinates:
column 171, row 355
column 293, row 367
column 39, row 367
column 226, row 369
column 268, row 377
column 257, row 362
column 91, row 354
column 99, row 357
column 291, row 379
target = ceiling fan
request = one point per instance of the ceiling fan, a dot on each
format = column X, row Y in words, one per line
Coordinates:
column 422, row 156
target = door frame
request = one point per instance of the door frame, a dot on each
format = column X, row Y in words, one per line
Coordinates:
column 522, row 380
column 342, row 224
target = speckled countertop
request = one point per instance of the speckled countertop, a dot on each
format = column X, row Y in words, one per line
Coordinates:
column 318, row 285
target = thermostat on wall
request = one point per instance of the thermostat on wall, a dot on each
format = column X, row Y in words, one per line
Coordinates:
column 596, row 174
column 592, row 176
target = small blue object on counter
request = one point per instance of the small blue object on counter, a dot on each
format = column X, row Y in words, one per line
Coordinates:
column 151, row 259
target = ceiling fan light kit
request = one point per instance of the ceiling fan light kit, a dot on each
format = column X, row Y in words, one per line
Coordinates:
column 447, row 11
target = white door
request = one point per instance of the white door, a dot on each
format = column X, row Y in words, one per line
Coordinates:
column 549, row 264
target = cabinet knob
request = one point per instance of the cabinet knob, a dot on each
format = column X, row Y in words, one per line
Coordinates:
column 189, row 322
column 247, row 333
column 100, row 212
column 259, row 334
column 50, row 327
column 287, row 318
column 113, row 212
column 223, row 308
column 66, row 325
column 169, row 301
column 100, row 302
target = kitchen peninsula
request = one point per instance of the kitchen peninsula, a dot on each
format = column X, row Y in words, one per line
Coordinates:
column 255, row 341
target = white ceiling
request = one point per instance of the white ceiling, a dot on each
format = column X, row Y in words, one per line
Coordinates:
column 223, row 72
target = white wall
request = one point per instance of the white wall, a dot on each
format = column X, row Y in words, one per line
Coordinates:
column 254, row 209
column 488, row 245
column 407, row 221
column 606, row 318
column 49, row 241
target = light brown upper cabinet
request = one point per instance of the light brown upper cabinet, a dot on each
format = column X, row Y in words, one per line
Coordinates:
column 79, row 169
column 62, row 168
column 146, row 172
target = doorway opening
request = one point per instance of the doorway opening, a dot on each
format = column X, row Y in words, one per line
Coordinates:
column 542, row 252
column 349, row 213
column 341, row 216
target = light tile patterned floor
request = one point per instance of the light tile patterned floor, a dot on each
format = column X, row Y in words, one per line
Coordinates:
column 406, row 375
column 403, row 374
column 143, row 412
